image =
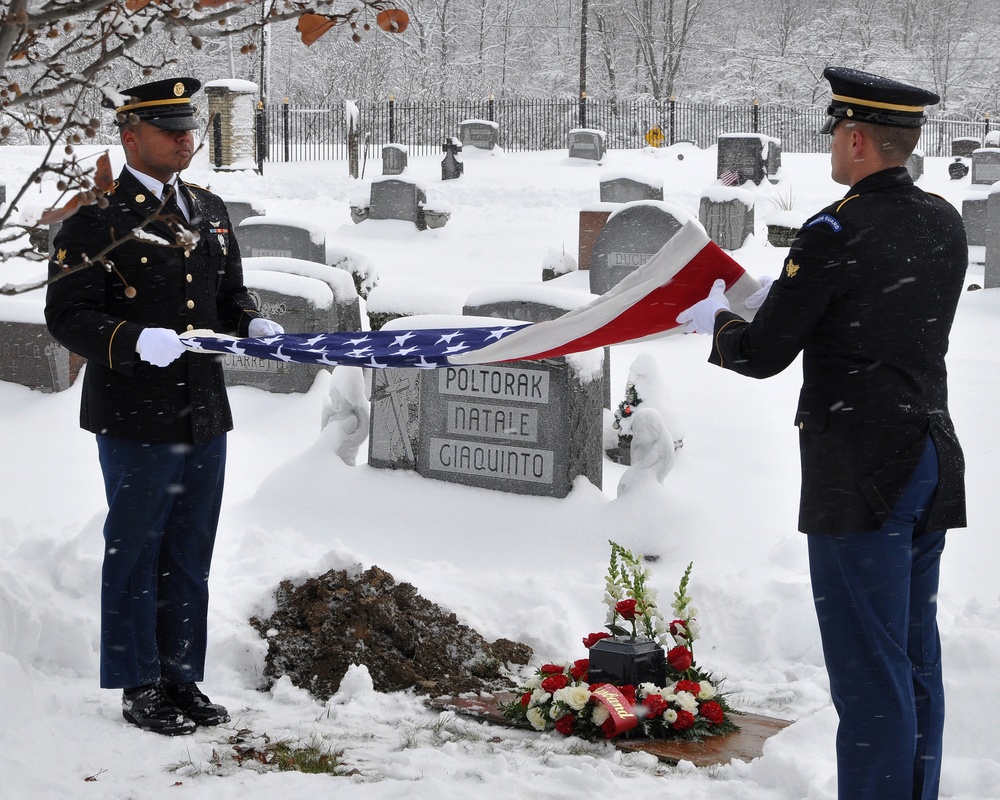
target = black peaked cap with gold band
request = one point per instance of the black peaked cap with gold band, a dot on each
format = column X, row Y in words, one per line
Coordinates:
column 165, row 104
column 864, row 97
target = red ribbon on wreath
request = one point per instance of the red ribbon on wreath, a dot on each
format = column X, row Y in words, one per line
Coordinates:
column 622, row 715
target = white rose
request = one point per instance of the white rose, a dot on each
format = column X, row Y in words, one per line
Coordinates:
column 537, row 719
column 600, row 715
column 707, row 691
column 577, row 696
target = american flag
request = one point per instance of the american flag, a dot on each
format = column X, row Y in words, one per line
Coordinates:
column 643, row 305
column 730, row 177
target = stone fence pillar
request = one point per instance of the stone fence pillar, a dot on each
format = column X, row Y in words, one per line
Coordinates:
column 232, row 132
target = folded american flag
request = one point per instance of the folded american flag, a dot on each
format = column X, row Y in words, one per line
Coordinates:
column 643, row 305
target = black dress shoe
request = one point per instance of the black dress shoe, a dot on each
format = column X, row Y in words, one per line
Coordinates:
column 149, row 708
column 195, row 705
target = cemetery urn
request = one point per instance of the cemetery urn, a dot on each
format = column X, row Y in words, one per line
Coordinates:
column 625, row 661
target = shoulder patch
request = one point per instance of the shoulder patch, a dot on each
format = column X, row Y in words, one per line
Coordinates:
column 826, row 219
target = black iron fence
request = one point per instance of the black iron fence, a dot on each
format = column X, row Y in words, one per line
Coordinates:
column 292, row 133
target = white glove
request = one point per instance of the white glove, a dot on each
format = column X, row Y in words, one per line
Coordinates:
column 756, row 300
column 700, row 318
column 262, row 328
column 159, row 346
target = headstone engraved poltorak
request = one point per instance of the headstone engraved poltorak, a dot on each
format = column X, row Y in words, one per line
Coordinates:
column 479, row 133
column 302, row 297
column 586, row 143
column 986, row 165
column 752, row 156
column 632, row 235
column 526, row 427
column 284, row 238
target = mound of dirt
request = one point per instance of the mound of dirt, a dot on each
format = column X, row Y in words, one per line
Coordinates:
column 326, row 624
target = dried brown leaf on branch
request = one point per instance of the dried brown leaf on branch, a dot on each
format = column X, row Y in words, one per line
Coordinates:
column 393, row 20
column 103, row 181
column 312, row 26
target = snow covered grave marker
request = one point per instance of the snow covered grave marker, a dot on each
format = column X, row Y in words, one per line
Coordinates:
column 751, row 155
column 986, row 165
column 586, row 143
column 30, row 356
column 303, row 297
column 393, row 198
column 479, row 133
column 727, row 212
column 240, row 209
column 991, row 274
column 633, row 234
column 284, row 238
column 395, row 158
column 974, row 217
column 628, row 189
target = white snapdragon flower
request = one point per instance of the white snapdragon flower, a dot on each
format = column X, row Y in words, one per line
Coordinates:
column 694, row 629
column 707, row 691
column 687, row 701
column 537, row 719
column 600, row 715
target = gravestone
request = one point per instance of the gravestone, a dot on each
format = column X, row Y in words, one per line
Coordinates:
column 965, row 146
column 534, row 304
column 986, row 165
column 3, row 193
column 727, row 214
column 395, row 158
column 625, row 189
column 269, row 236
column 631, row 236
column 527, row 427
column 240, row 209
column 957, row 169
column 592, row 221
column 345, row 313
column 586, row 143
column 915, row 165
column 299, row 304
column 991, row 272
column 974, row 211
column 452, row 166
column 479, row 133
column 751, row 156
column 29, row 356
column 393, row 198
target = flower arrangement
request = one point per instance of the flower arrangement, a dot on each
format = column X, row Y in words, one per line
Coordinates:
column 690, row 706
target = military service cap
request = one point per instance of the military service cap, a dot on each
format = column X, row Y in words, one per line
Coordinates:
column 165, row 104
column 871, row 98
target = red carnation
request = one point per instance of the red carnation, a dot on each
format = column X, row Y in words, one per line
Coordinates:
column 608, row 726
column 591, row 639
column 555, row 682
column 552, row 669
column 711, row 711
column 685, row 720
column 525, row 699
column 680, row 658
column 579, row 669
column 628, row 692
column 626, row 608
column 688, row 686
column 655, row 705
column 565, row 724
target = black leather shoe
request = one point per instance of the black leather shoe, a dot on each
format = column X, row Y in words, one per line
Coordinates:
column 195, row 705
column 149, row 708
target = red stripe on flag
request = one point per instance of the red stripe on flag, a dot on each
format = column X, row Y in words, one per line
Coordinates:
column 658, row 310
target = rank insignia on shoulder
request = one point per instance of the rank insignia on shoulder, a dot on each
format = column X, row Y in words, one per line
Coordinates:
column 791, row 268
column 826, row 219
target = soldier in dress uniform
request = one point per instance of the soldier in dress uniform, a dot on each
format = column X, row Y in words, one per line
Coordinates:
column 160, row 414
column 867, row 295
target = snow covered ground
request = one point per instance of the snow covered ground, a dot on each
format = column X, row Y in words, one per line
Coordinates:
column 526, row 568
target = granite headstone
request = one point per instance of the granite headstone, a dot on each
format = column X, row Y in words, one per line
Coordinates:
column 29, row 356
column 631, row 236
column 587, row 143
column 267, row 236
column 974, row 210
column 240, row 209
column 394, row 198
column 751, row 156
column 479, row 133
column 395, row 158
column 727, row 213
column 624, row 189
column 986, row 165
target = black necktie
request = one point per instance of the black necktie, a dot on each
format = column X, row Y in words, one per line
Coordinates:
column 172, row 206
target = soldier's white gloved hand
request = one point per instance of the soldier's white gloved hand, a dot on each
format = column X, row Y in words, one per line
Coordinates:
column 159, row 346
column 700, row 318
column 756, row 300
column 262, row 328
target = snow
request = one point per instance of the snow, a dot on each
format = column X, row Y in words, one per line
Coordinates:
column 526, row 568
column 234, row 85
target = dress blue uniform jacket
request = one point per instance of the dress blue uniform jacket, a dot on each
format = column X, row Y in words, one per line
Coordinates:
column 867, row 294
column 99, row 314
